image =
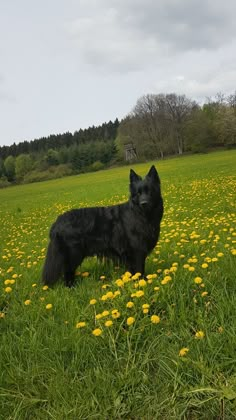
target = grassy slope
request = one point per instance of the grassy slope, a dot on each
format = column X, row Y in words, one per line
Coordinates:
column 50, row 369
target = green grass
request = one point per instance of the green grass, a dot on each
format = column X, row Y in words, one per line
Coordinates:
column 49, row 369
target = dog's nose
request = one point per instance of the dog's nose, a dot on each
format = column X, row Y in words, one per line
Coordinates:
column 143, row 204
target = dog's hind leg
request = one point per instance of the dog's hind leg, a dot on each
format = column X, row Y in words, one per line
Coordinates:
column 73, row 260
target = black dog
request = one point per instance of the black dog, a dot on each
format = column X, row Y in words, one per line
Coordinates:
column 126, row 232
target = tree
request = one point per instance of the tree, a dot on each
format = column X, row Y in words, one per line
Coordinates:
column 23, row 165
column 2, row 169
column 179, row 109
column 9, row 165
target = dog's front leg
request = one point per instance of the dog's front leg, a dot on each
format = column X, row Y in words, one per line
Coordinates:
column 137, row 263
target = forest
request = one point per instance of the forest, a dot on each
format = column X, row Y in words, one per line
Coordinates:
column 159, row 125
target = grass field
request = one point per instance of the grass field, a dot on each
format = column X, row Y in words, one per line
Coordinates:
column 72, row 354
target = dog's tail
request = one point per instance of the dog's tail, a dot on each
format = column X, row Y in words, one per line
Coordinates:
column 54, row 262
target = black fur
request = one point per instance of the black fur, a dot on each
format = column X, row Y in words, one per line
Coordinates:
column 126, row 232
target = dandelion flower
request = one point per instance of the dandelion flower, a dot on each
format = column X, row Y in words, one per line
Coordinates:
column 130, row 320
column 27, row 302
column 93, row 301
column 49, row 306
column 142, row 283
column 108, row 323
column 198, row 280
column 45, row 287
column 80, row 324
column 6, row 282
column 204, row 265
column 199, row 335
column 105, row 313
column 155, row 319
column 115, row 314
column 97, row 332
column 85, row 274
column 119, row 283
column 183, row 351
column 139, row 293
column 146, row 306
column 204, row 294
column 8, row 289
column 129, row 304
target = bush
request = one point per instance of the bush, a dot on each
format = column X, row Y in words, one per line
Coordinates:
column 4, row 182
column 53, row 172
column 96, row 166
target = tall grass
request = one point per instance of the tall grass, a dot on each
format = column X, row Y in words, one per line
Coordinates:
column 175, row 357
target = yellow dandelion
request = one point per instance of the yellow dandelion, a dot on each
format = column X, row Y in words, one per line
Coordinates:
column 136, row 276
column 105, row 313
column 119, row 283
column 79, row 324
column 139, row 293
column 115, row 314
column 183, row 351
column 6, row 282
column 142, row 283
column 102, row 277
column 166, row 280
column 2, row 315
column 98, row 316
column 186, row 266
column 156, row 288
column 204, row 265
column 155, row 319
column 27, row 302
column 199, row 335
column 129, row 304
column 146, row 306
column 85, row 274
column 8, row 289
column 130, row 320
column 110, row 295
column 45, row 287
column 204, row 294
column 145, row 311
column 15, row 276
column 97, row 332
column 49, row 306
column 108, row 323
column 116, row 293
column 92, row 301
column 34, row 284
column 198, row 280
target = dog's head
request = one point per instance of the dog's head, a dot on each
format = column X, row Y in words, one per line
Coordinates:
column 145, row 193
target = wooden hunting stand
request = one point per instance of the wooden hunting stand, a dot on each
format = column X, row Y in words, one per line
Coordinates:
column 130, row 152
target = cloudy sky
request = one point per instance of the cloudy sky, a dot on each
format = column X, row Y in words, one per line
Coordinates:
column 69, row 64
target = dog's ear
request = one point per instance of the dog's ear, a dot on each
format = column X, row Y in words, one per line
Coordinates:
column 134, row 177
column 153, row 174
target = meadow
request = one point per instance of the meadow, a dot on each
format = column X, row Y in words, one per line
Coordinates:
column 119, row 346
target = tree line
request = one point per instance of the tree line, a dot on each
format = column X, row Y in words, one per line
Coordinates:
column 158, row 125
column 167, row 124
